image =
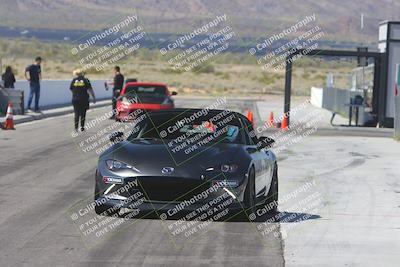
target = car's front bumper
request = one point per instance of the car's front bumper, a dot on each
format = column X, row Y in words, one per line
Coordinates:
column 173, row 210
column 173, row 195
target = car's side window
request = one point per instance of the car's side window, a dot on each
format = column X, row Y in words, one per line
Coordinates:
column 250, row 135
column 242, row 137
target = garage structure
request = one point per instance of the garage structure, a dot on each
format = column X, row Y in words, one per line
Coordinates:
column 384, row 71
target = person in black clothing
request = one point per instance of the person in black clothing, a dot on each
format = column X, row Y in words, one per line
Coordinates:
column 35, row 75
column 8, row 78
column 80, row 88
column 118, row 84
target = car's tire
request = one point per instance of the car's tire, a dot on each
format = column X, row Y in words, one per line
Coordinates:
column 250, row 193
column 272, row 197
column 101, row 209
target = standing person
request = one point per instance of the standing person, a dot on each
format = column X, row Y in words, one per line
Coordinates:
column 35, row 75
column 118, row 84
column 8, row 78
column 80, row 86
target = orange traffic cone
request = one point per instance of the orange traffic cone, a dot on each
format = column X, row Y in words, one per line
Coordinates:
column 249, row 116
column 271, row 119
column 284, row 125
column 9, row 123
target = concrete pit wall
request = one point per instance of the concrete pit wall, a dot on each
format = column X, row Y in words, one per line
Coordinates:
column 55, row 93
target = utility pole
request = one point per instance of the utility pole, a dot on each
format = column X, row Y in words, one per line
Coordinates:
column 362, row 22
column 364, row 88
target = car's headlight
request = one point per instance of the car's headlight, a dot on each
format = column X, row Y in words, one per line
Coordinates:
column 229, row 168
column 115, row 165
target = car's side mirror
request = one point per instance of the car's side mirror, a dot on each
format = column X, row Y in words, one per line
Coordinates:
column 116, row 137
column 122, row 98
column 174, row 93
column 265, row 142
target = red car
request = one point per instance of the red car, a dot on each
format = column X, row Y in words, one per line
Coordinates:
column 145, row 96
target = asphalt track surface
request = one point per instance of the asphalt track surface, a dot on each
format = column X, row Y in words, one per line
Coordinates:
column 347, row 217
column 44, row 173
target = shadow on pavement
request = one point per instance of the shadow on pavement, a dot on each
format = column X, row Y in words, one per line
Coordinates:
column 271, row 217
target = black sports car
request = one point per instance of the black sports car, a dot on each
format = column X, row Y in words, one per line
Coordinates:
column 186, row 158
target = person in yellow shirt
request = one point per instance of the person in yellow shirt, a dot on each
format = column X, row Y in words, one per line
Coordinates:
column 81, row 88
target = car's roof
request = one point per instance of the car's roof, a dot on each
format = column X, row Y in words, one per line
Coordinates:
column 145, row 84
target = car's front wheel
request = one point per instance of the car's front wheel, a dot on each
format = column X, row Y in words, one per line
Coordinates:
column 250, row 193
column 272, row 197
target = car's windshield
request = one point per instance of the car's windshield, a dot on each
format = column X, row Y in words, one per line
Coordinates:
column 223, row 127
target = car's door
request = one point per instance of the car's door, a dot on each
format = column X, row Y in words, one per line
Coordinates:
column 269, row 162
column 258, row 157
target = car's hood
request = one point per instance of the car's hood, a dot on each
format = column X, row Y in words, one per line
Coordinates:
column 151, row 156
